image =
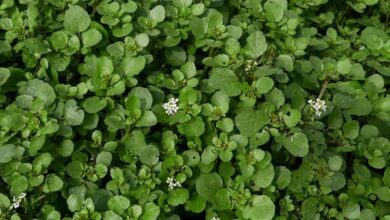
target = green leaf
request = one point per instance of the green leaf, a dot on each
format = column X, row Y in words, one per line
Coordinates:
column 292, row 118
column 75, row 203
column 76, row 19
column 297, row 144
column 263, row 176
column 225, row 80
column 386, row 177
column 9, row 152
column 157, row 13
column 221, row 100
column 351, row 211
column 351, row 129
column 94, row 104
column 274, row 9
column 66, row 148
column 283, row 177
column 176, row 56
column 198, row 27
column 286, row 62
column 4, row 201
column 383, row 193
column 245, row 118
column 75, row 169
column 19, row 185
column 144, row 96
column 135, row 141
column 73, row 115
column 152, row 211
column 178, row 197
column 192, row 128
column 222, row 201
column 149, row 155
column 276, row 97
column 39, row 89
column 12, row 121
column 118, row 204
column 207, row 185
column 91, row 37
column 344, row 66
column 263, row 85
column 261, row 207
column 142, row 40
column 52, row 183
column 132, row 66
column 256, row 45
column 36, row 46
column 196, row 204
column 364, row 104
column 4, row 75
column 59, row 40
column 104, row 158
column 209, row 155
column 148, row 119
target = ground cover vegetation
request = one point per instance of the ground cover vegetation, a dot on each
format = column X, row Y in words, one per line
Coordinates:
column 194, row 109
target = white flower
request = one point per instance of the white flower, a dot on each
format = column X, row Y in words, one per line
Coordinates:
column 172, row 183
column 250, row 65
column 16, row 201
column 214, row 218
column 171, row 106
column 319, row 105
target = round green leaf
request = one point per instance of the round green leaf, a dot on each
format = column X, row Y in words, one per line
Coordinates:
column 158, row 13
column 149, row 155
column 52, row 183
column 292, row 118
column 245, row 118
column 351, row 211
column 207, row 185
column 263, row 85
column 76, row 19
column 297, row 144
column 222, row 200
column 274, row 9
column 4, row 201
column 91, row 37
column 256, row 45
column 261, row 207
column 94, row 104
column 178, row 197
column 176, row 56
column 75, row 203
column 19, row 185
column 75, row 169
column 118, row 204
column 132, row 66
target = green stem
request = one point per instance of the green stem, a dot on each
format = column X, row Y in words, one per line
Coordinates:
column 323, row 88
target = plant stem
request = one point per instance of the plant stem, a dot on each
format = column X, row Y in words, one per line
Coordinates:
column 323, row 88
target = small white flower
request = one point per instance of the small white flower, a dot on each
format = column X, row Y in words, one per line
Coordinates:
column 171, row 106
column 172, row 183
column 318, row 105
column 250, row 65
column 16, row 201
column 214, row 218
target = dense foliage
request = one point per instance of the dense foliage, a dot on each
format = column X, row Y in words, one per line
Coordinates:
column 194, row 109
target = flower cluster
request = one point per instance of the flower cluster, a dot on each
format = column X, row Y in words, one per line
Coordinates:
column 171, row 106
column 172, row 183
column 16, row 201
column 214, row 218
column 250, row 64
column 319, row 105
